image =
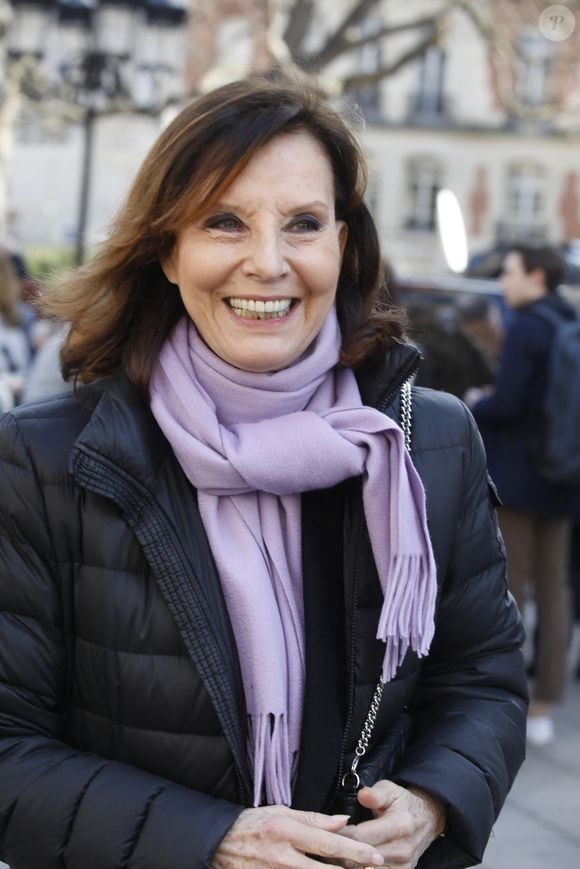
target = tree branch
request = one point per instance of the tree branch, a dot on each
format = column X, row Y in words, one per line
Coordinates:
column 414, row 53
column 389, row 30
column 299, row 21
column 338, row 41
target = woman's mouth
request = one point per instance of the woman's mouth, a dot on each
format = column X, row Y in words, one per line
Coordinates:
column 261, row 309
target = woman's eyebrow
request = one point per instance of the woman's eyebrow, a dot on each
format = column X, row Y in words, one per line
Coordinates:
column 315, row 205
column 298, row 207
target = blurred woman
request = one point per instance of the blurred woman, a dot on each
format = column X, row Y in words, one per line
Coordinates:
column 14, row 350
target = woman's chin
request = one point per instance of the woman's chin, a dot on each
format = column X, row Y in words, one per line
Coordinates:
column 260, row 354
column 265, row 364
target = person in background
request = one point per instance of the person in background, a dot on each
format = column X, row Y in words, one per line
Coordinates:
column 534, row 518
column 28, row 294
column 223, row 569
column 452, row 359
column 14, row 348
column 44, row 378
column 482, row 320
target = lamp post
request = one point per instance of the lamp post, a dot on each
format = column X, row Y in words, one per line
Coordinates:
column 105, row 48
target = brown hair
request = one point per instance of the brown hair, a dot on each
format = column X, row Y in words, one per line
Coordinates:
column 121, row 307
column 545, row 258
column 9, row 290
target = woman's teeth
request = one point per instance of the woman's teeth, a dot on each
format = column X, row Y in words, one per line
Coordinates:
column 257, row 309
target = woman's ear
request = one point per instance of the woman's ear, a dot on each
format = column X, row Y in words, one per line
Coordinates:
column 168, row 268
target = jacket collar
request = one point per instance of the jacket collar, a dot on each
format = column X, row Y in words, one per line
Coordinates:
column 555, row 302
column 122, row 429
column 379, row 382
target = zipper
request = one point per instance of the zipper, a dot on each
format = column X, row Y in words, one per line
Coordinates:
column 351, row 663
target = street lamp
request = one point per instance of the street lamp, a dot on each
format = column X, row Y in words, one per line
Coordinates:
column 107, row 50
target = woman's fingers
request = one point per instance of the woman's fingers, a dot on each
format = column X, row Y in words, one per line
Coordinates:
column 333, row 823
column 387, row 802
column 406, row 822
column 324, row 843
column 276, row 836
column 381, row 796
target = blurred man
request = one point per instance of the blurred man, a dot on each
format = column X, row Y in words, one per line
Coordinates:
column 534, row 517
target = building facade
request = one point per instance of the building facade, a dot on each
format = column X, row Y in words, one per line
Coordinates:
column 443, row 121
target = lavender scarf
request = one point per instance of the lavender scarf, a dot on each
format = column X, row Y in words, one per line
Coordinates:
column 250, row 443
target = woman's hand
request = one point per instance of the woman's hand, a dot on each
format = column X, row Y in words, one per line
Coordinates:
column 406, row 822
column 276, row 836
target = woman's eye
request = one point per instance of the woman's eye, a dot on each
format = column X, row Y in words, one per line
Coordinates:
column 306, row 224
column 224, row 221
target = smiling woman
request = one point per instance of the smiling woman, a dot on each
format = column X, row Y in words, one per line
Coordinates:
column 231, row 587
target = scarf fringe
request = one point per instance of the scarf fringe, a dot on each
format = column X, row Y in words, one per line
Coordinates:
column 268, row 747
column 407, row 615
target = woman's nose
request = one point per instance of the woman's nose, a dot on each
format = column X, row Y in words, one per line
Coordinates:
column 266, row 257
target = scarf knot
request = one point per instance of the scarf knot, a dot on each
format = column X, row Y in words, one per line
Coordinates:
column 251, row 443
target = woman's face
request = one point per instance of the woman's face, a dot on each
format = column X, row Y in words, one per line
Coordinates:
column 258, row 273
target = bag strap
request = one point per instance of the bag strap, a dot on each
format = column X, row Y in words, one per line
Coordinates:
column 351, row 779
column 406, row 413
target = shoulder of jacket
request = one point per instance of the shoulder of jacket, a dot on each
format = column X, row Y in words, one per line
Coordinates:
column 47, row 427
column 527, row 331
column 531, row 317
column 440, row 420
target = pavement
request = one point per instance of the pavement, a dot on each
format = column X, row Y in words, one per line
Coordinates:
column 539, row 827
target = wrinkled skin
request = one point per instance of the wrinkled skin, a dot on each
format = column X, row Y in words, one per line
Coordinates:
column 280, row 838
column 404, row 825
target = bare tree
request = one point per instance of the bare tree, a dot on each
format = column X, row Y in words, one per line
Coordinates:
column 288, row 45
column 293, row 26
column 347, row 37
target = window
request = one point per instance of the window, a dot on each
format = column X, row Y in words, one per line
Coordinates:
column 369, row 60
column 429, row 102
column 423, row 182
column 525, row 203
column 533, row 67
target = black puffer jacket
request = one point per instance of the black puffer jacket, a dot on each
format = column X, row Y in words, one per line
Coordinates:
column 121, row 707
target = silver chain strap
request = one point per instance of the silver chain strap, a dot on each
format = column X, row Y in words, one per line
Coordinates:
column 406, row 413
column 352, row 778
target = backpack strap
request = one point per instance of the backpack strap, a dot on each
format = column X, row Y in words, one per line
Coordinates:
column 551, row 316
